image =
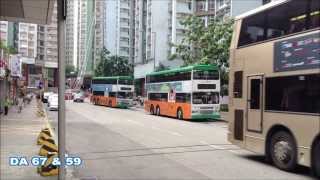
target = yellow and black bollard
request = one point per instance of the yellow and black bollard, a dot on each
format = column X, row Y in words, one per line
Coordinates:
column 48, row 146
column 49, row 169
column 44, row 134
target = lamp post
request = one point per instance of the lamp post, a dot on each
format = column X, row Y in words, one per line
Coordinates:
column 61, row 65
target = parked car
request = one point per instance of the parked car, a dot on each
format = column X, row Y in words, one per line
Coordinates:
column 78, row 97
column 51, row 97
column 46, row 96
column 53, row 102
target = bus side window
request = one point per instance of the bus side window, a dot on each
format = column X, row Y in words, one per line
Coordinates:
column 237, row 84
column 314, row 14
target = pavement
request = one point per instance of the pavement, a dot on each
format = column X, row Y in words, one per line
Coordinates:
column 131, row 144
column 19, row 133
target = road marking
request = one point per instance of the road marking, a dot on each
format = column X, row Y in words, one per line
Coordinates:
column 156, row 128
column 213, row 146
column 135, row 122
column 204, row 142
column 217, row 147
column 176, row 134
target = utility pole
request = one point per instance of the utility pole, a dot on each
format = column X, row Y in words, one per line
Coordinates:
column 61, row 113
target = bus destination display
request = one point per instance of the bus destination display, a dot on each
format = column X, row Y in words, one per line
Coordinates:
column 297, row 53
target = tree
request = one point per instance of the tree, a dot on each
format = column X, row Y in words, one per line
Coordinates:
column 113, row 65
column 205, row 45
column 8, row 49
column 70, row 70
column 161, row 67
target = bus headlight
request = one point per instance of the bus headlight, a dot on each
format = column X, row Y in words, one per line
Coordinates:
column 195, row 110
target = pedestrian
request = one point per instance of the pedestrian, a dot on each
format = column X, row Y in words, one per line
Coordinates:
column 20, row 103
column 6, row 105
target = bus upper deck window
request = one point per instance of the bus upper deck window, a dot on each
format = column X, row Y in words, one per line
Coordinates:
column 314, row 14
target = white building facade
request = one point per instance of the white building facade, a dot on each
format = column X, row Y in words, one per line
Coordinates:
column 118, row 27
column 223, row 9
column 157, row 27
column 99, row 29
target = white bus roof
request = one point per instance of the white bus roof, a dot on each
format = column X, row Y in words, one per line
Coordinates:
column 261, row 9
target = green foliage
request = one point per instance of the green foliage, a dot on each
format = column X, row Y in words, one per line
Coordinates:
column 161, row 67
column 113, row 65
column 224, row 108
column 8, row 49
column 205, row 45
column 70, row 70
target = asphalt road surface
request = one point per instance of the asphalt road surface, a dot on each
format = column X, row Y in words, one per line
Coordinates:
column 131, row 144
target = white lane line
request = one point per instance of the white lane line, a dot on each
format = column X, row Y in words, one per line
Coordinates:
column 176, row 134
column 213, row 146
column 135, row 122
column 204, row 142
column 156, row 128
column 217, row 147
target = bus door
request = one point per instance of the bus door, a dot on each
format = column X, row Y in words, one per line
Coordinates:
column 254, row 103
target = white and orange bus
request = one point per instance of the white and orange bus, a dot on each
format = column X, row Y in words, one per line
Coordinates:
column 190, row 92
column 274, row 80
column 114, row 91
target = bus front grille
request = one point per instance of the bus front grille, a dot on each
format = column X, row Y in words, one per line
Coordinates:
column 206, row 111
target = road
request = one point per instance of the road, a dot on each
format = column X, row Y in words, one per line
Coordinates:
column 130, row 144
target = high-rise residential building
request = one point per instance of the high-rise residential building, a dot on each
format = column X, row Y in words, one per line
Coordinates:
column 86, row 28
column 81, row 30
column 28, row 36
column 99, row 29
column 7, row 33
column 27, row 48
column 157, row 27
column 38, row 47
column 72, row 32
column 51, row 50
column 222, row 9
column 118, row 27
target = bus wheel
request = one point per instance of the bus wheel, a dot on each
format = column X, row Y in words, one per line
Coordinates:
column 316, row 159
column 158, row 111
column 179, row 114
column 283, row 151
column 110, row 104
column 152, row 110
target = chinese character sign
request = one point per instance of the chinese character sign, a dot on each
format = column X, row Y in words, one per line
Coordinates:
column 15, row 66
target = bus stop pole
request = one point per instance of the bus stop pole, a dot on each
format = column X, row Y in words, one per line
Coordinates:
column 61, row 89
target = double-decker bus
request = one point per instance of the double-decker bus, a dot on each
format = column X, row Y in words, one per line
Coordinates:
column 274, row 80
column 190, row 92
column 114, row 91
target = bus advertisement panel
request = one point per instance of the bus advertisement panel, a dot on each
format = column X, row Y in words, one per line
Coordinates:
column 185, row 93
column 112, row 91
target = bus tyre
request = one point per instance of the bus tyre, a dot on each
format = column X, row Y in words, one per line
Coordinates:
column 110, row 104
column 316, row 160
column 180, row 114
column 158, row 111
column 283, row 151
column 152, row 110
